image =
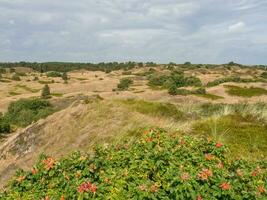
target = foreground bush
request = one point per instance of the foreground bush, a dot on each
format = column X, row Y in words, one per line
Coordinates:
column 158, row 166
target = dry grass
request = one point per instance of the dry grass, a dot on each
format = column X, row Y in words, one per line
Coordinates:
column 78, row 127
column 89, row 82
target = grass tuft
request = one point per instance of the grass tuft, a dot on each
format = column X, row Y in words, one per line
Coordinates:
column 155, row 108
column 209, row 96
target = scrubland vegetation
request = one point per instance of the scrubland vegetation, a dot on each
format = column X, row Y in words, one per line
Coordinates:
column 157, row 166
column 145, row 131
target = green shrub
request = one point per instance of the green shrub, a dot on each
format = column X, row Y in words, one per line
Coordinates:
column 65, row 77
column 172, row 90
column 15, row 77
column 192, row 81
column 124, row 84
column 155, row 80
column 157, row 166
column 53, row 74
column 25, row 111
column 175, row 78
column 264, row 75
column 4, row 126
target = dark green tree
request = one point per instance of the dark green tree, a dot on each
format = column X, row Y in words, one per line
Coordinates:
column 65, row 77
column 46, row 92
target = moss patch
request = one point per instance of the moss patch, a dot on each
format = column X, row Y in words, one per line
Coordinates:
column 155, row 108
column 244, row 92
column 245, row 136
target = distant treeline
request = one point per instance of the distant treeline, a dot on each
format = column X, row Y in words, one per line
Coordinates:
column 107, row 67
column 66, row 66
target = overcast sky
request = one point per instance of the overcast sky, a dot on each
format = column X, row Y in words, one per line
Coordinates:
column 200, row 31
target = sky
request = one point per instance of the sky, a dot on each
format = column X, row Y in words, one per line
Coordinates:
column 162, row 31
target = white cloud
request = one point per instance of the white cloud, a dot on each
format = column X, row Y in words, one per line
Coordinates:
column 238, row 27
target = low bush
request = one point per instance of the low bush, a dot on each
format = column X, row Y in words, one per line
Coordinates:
column 264, row 75
column 53, row 74
column 4, row 126
column 158, row 166
column 15, row 77
column 156, row 80
column 25, row 111
column 65, row 77
column 124, row 84
column 174, row 79
column 172, row 90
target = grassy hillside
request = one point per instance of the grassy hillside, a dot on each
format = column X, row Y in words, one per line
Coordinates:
column 94, row 121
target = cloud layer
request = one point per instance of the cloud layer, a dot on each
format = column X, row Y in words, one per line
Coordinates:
column 202, row 31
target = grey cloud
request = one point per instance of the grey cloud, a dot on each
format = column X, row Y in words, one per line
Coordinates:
column 208, row 31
